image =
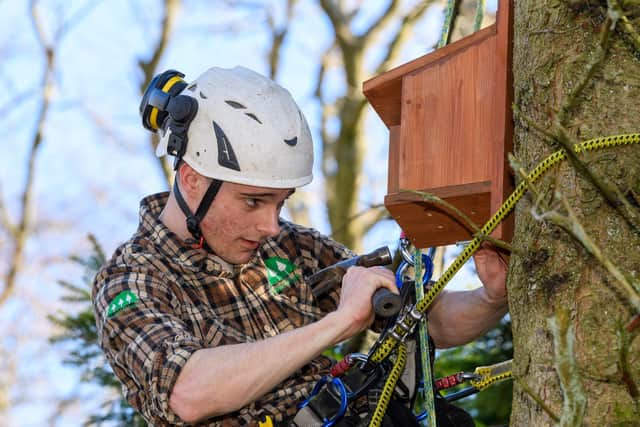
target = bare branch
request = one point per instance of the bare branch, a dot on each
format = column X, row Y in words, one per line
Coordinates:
column 339, row 22
column 21, row 231
column 624, row 343
column 627, row 27
column 278, row 36
column 16, row 100
column 149, row 68
column 108, row 129
column 497, row 243
column 325, row 108
column 343, row 153
column 575, row 401
column 608, row 189
column 595, row 62
column 547, row 134
column 560, row 135
column 298, row 207
column 168, row 19
column 432, row 198
column 5, row 220
column 574, row 228
column 74, row 19
column 525, row 387
column 377, row 212
column 377, row 26
column 402, row 34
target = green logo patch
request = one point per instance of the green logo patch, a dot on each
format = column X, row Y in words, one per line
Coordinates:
column 281, row 273
column 123, row 300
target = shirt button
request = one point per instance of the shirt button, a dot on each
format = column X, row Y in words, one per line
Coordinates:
column 267, row 328
column 294, row 299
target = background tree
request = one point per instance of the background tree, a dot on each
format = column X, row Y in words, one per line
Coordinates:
column 492, row 406
column 80, row 174
column 149, row 69
column 575, row 324
column 79, row 332
column 17, row 227
column 343, row 149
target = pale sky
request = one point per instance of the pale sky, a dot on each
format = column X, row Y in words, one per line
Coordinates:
column 94, row 164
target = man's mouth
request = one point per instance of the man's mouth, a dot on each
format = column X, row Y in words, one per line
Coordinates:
column 251, row 244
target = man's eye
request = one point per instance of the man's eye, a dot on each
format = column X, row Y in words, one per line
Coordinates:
column 252, row 203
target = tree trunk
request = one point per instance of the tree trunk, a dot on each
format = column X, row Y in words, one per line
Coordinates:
column 587, row 372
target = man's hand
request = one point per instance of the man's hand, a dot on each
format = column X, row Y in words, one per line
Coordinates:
column 458, row 317
column 358, row 286
column 492, row 272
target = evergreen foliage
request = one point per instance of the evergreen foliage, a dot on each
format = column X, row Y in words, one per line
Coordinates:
column 491, row 406
column 78, row 331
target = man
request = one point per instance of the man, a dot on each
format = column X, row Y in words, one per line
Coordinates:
column 204, row 314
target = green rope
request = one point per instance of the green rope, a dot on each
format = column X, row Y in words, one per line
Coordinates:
column 423, row 338
column 449, row 15
column 477, row 23
column 448, row 23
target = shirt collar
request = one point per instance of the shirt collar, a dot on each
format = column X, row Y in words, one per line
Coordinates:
column 170, row 244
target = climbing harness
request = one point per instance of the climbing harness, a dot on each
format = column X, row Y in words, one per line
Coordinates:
column 391, row 347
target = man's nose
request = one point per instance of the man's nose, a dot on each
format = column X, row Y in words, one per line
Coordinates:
column 269, row 223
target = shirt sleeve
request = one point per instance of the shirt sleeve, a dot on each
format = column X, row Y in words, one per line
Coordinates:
column 145, row 342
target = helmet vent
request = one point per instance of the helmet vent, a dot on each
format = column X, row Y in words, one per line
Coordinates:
column 291, row 142
column 235, row 104
column 253, row 117
column 226, row 156
column 202, row 95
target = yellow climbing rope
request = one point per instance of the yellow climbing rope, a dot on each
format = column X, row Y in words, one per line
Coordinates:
column 389, row 386
column 492, row 374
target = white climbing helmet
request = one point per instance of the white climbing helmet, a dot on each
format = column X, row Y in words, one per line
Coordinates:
column 247, row 130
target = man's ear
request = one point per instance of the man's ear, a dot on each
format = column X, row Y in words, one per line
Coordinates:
column 190, row 181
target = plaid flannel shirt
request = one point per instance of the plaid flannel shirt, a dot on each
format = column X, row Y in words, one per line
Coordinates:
column 157, row 301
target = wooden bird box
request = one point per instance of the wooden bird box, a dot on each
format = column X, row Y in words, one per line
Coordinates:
column 450, row 129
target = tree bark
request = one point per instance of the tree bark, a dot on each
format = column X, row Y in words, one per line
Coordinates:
column 576, row 345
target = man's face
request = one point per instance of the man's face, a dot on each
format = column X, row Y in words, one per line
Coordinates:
column 240, row 218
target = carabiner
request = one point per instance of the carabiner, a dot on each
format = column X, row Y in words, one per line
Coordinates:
column 342, row 390
column 427, row 262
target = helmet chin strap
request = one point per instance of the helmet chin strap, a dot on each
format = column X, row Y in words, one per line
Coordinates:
column 193, row 220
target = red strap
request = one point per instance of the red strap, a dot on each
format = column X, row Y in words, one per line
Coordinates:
column 448, row 382
column 198, row 245
column 341, row 367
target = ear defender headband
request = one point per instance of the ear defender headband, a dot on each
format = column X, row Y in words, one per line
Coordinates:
column 163, row 107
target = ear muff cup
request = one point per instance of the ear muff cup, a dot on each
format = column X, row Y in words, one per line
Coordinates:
column 156, row 97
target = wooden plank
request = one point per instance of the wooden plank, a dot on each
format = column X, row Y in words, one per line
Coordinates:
column 384, row 91
column 394, row 161
column 446, row 130
column 427, row 224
